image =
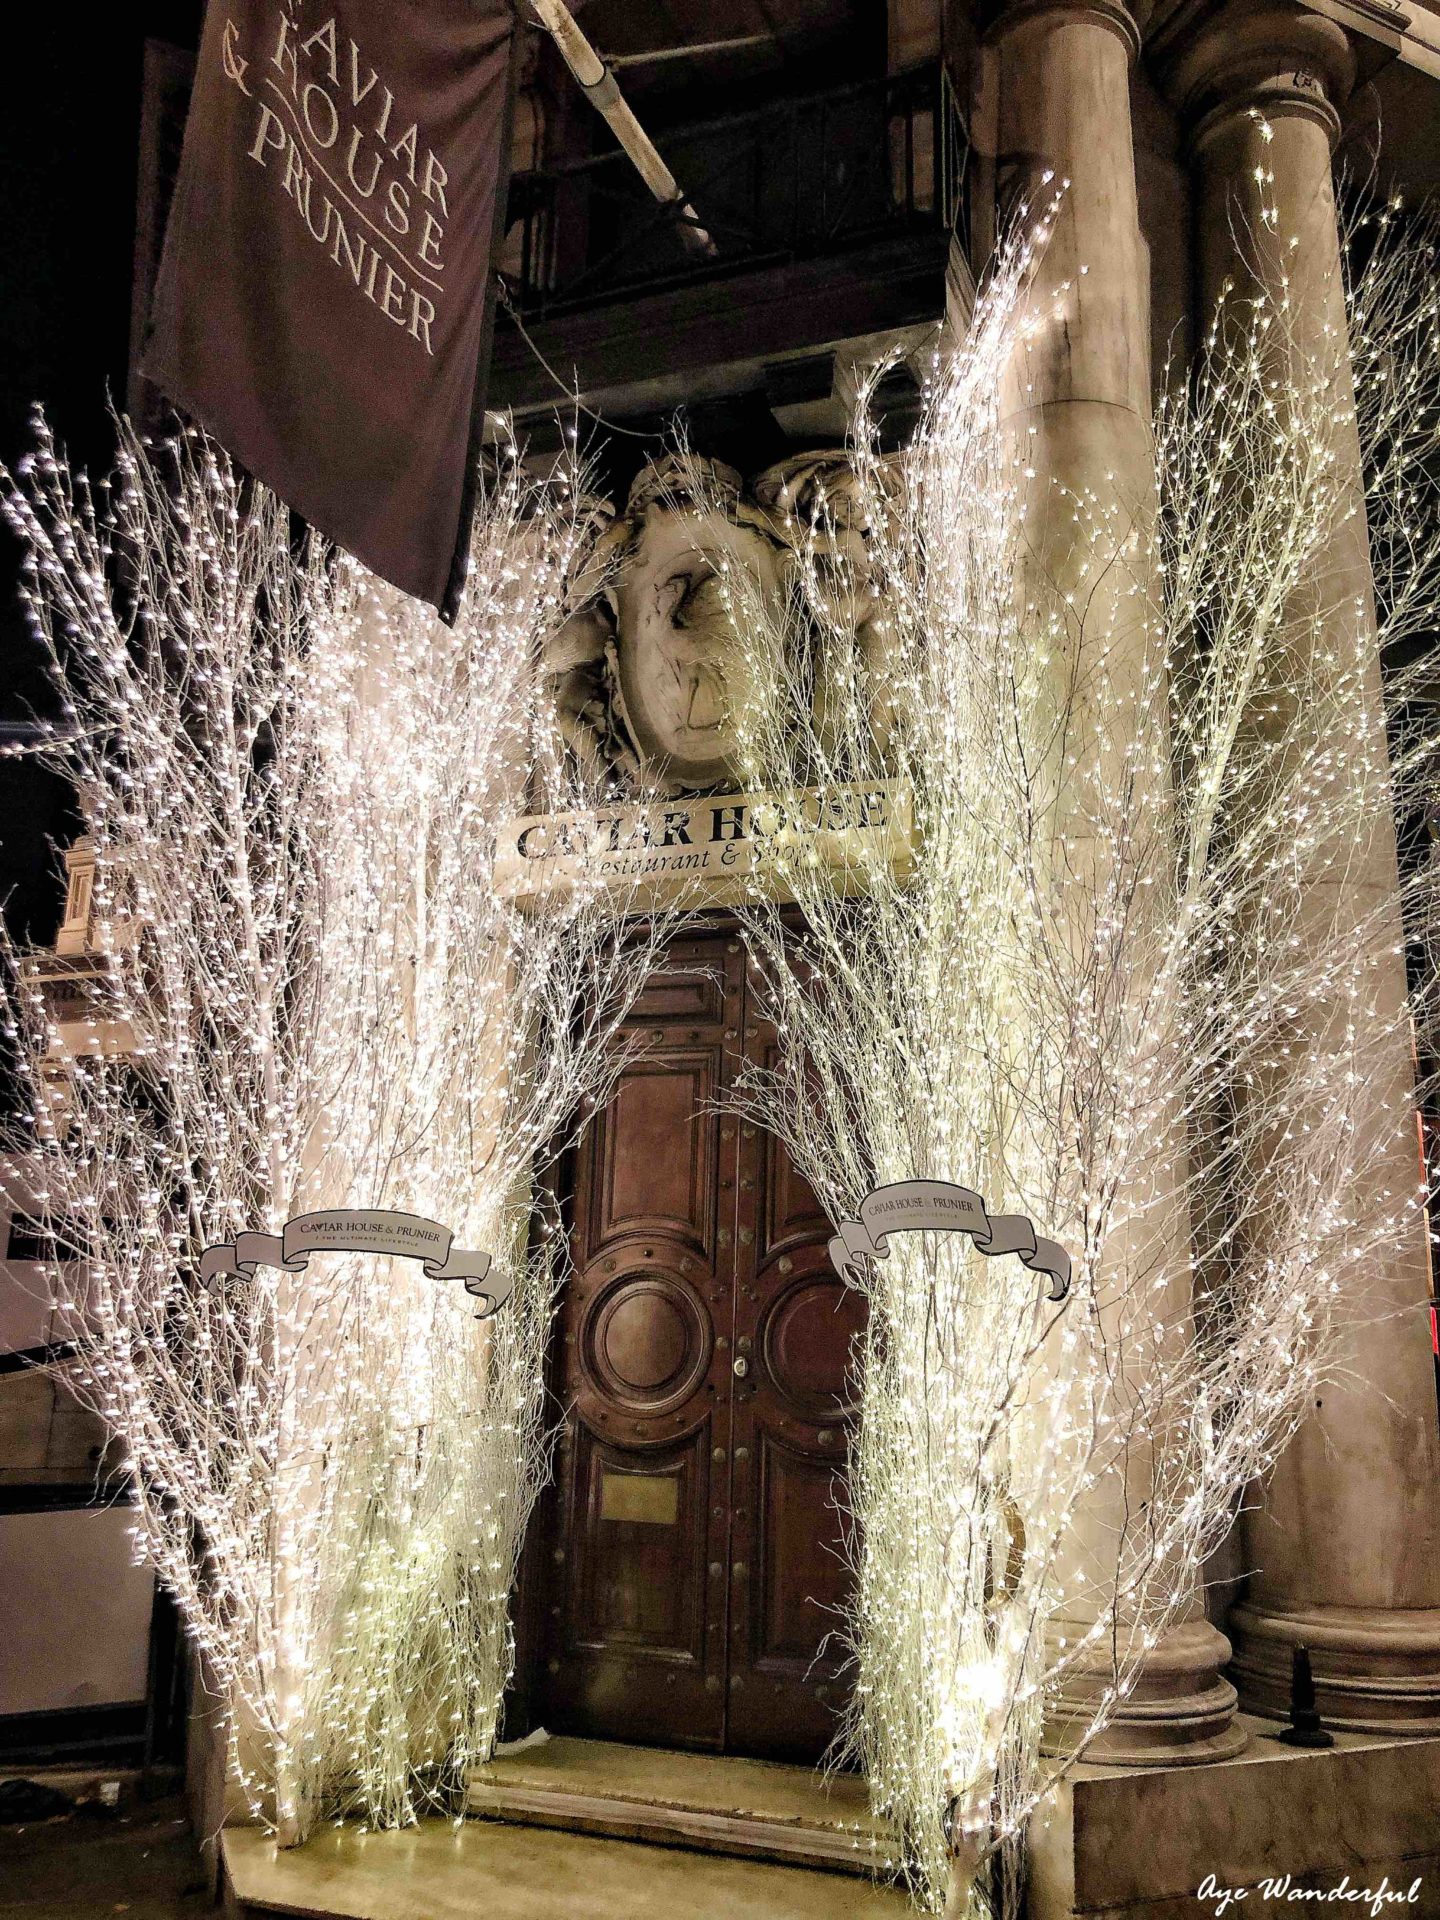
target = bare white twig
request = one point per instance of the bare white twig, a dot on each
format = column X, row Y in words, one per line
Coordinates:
column 292, row 779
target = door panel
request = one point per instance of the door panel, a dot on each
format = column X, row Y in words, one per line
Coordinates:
column 640, row 1568
column 695, row 1549
column 647, row 1343
column 805, row 1343
column 795, row 1327
column 796, row 1605
column 792, row 1213
column 657, row 1168
column 680, row 993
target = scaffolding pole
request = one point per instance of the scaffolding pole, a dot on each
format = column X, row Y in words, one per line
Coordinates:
column 600, row 88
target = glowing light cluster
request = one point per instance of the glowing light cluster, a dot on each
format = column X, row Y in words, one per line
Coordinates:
column 1138, row 984
column 291, row 778
column 1141, row 985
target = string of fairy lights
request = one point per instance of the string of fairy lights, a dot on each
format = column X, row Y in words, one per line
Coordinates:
column 292, row 781
column 1101, row 991
column 1138, row 983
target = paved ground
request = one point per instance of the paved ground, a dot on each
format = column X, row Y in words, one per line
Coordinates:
column 138, row 1860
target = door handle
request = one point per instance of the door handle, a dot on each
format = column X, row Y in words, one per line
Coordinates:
column 741, row 1367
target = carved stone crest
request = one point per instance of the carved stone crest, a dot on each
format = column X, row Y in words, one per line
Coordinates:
column 647, row 670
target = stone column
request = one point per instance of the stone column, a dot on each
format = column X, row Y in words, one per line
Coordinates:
column 1345, row 1540
column 1058, row 90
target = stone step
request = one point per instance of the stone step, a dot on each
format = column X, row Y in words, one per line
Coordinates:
column 433, row 1872
column 714, row 1803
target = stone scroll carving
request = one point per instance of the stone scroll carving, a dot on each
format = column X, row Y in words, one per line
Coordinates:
column 817, row 497
column 646, row 670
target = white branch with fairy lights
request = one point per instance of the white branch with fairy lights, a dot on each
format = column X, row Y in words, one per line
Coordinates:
column 1082, row 998
column 1082, row 994
column 291, row 779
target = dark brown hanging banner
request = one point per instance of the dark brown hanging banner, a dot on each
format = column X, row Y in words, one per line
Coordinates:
column 323, row 300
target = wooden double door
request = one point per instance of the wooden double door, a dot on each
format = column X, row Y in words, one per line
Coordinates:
column 690, row 1563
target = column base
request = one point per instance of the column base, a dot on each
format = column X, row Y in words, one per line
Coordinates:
column 1181, row 1711
column 1376, row 1670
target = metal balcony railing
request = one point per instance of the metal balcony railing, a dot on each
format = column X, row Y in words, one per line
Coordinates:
column 799, row 179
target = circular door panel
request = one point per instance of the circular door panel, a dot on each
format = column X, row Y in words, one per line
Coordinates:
column 646, row 1342
column 806, row 1340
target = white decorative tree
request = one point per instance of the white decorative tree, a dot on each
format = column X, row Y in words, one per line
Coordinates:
column 292, row 780
column 1082, row 997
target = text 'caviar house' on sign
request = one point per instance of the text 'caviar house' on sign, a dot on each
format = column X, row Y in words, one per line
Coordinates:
column 716, row 848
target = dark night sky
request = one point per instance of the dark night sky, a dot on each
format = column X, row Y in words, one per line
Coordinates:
column 68, row 139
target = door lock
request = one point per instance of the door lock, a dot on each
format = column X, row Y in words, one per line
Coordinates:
column 741, row 1366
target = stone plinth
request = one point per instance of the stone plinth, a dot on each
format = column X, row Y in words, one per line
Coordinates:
column 1122, row 1844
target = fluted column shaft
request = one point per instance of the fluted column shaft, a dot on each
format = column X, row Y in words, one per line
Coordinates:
column 1345, row 1539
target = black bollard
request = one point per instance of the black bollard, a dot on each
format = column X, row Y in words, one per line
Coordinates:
column 1304, row 1729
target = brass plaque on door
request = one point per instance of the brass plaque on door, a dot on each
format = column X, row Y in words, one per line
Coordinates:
column 652, row 1498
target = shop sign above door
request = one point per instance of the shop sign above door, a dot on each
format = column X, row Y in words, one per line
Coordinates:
column 714, row 849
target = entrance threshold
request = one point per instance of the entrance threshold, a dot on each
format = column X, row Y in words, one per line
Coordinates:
column 713, row 1803
column 431, row 1872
